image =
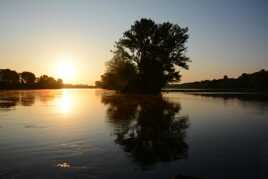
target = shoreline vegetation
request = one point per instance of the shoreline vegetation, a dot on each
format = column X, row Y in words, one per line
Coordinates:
column 146, row 60
column 77, row 86
column 10, row 79
column 246, row 82
column 253, row 83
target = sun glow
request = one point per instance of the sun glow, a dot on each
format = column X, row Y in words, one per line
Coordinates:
column 65, row 103
column 65, row 69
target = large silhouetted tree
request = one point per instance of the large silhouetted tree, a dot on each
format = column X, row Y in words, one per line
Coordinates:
column 154, row 50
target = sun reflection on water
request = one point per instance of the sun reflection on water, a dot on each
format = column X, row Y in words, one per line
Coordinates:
column 65, row 103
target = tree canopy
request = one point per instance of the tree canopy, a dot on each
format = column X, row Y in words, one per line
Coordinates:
column 147, row 57
column 27, row 77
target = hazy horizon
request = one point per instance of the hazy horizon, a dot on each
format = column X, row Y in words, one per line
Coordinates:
column 225, row 38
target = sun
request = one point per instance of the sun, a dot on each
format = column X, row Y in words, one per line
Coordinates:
column 65, row 69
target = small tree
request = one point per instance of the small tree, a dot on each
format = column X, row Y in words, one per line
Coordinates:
column 45, row 81
column 27, row 78
column 155, row 51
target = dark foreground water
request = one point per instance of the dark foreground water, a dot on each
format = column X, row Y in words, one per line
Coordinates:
column 99, row 134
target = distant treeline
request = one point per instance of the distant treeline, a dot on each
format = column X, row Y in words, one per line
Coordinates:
column 77, row 86
column 257, row 81
column 10, row 79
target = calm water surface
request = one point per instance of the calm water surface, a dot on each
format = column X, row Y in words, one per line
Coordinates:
column 92, row 133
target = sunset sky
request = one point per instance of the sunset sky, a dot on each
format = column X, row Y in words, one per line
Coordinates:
column 50, row 36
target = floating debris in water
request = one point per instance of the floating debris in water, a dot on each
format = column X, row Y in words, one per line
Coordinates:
column 63, row 165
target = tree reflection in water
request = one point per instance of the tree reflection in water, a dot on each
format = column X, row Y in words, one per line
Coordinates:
column 11, row 99
column 148, row 127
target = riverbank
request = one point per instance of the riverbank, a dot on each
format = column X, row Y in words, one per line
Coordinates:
column 212, row 90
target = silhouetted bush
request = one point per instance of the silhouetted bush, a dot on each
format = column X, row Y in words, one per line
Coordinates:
column 45, row 81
